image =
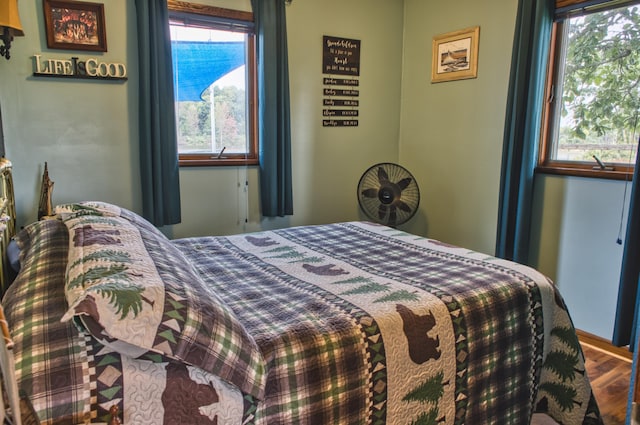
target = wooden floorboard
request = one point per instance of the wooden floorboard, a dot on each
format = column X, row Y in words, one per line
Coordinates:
column 609, row 370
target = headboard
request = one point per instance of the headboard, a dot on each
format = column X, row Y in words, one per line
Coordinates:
column 7, row 220
column 7, row 231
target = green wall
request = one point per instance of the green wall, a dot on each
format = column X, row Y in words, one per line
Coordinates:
column 451, row 132
column 451, row 139
column 576, row 225
column 449, row 135
column 87, row 130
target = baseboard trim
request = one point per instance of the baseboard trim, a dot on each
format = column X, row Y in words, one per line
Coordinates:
column 602, row 344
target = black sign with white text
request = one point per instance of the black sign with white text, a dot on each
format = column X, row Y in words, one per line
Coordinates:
column 340, row 56
column 340, row 102
column 339, row 123
column 340, row 82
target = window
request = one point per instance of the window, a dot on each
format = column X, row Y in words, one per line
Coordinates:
column 593, row 92
column 213, row 52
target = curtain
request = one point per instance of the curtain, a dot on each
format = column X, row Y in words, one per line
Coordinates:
column 624, row 331
column 158, row 138
column 522, row 127
column 274, row 129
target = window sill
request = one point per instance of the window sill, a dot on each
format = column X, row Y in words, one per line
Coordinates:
column 216, row 162
column 622, row 173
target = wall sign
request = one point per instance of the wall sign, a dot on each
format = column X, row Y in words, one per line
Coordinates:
column 339, row 123
column 341, row 82
column 341, row 92
column 340, row 56
column 339, row 102
column 91, row 69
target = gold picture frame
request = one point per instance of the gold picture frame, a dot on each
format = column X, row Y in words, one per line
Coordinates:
column 455, row 55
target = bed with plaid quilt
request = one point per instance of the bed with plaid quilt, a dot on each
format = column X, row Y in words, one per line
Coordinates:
column 356, row 324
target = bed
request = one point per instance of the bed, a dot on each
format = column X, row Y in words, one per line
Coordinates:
column 344, row 323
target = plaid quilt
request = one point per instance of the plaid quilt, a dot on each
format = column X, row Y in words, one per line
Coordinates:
column 357, row 323
column 71, row 378
column 361, row 323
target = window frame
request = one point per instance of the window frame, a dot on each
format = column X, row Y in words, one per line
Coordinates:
column 547, row 165
column 227, row 159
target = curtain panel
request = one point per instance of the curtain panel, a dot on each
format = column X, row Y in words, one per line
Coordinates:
column 274, row 127
column 522, row 127
column 159, row 170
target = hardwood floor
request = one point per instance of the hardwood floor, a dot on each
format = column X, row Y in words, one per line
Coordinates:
column 609, row 370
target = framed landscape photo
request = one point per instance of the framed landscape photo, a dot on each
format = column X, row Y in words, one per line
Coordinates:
column 455, row 55
column 75, row 25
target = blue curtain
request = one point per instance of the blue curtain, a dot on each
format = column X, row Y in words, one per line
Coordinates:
column 158, row 138
column 522, row 127
column 274, row 129
column 624, row 331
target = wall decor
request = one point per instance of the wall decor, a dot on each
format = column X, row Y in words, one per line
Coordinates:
column 88, row 69
column 340, row 56
column 455, row 55
column 75, row 25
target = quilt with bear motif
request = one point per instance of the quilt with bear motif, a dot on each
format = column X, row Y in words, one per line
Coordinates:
column 357, row 320
column 356, row 323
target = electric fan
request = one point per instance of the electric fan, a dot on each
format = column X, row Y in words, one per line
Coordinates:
column 388, row 194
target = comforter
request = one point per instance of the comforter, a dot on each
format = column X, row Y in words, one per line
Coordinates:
column 354, row 323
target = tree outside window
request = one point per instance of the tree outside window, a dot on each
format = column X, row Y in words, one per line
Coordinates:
column 595, row 91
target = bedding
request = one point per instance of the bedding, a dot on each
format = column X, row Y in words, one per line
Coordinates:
column 353, row 323
column 125, row 284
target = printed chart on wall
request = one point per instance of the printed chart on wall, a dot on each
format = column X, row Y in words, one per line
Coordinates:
column 340, row 57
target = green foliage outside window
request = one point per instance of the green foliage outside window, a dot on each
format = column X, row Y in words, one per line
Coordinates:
column 194, row 122
column 601, row 87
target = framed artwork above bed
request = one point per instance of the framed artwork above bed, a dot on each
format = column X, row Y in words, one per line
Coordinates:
column 74, row 25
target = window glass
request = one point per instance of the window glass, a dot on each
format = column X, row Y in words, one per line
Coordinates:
column 213, row 90
column 595, row 90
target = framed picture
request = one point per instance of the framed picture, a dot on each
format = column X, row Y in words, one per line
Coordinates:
column 455, row 55
column 75, row 25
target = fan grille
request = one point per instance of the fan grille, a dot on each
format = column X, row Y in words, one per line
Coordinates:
column 388, row 194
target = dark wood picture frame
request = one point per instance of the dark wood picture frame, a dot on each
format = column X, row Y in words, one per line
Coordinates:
column 75, row 25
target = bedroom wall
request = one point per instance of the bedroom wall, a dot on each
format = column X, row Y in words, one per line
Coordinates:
column 576, row 224
column 451, row 132
column 87, row 131
column 327, row 161
column 451, row 139
column 448, row 134
column 83, row 129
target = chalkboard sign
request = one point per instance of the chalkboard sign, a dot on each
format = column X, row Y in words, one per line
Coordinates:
column 340, row 56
